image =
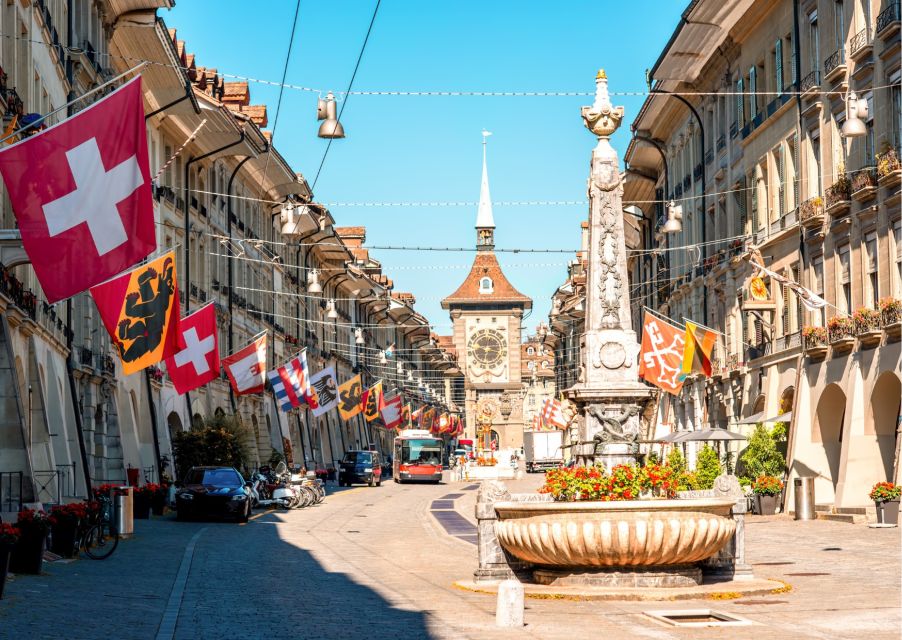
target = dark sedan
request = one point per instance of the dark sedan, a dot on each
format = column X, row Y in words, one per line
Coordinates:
column 213, row 492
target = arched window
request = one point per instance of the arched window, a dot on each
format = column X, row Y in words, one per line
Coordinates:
column 545, row 364
column 485, row 285
column 530, row 351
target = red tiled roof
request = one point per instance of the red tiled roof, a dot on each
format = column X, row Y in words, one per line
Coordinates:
column 236, row 92
column 405, row 297
column 257, row 114
column 486, row 265
column 350, row 232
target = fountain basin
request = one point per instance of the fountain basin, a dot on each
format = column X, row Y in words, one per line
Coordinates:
column 625, row 534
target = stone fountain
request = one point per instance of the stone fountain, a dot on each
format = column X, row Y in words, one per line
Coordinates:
column 609, row 398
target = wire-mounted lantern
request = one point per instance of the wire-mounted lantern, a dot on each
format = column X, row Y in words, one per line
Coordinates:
column 358, row 336
column 382, row 358
column 674, row 216
column 327, row 112
column 313, row 285
column 856, row 114
column 331, row 313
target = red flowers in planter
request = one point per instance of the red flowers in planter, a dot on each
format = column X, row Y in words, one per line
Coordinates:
column 9, row 534
column 74, row 512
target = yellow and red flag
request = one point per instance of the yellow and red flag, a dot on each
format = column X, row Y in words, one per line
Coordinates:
column 405, row 416
column 140, row 309
column 350, row 396
column 372, row 402
column 697, row 352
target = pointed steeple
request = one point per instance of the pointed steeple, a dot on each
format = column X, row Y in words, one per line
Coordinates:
column 485, row 221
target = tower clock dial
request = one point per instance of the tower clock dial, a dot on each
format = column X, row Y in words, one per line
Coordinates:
column 487, row 348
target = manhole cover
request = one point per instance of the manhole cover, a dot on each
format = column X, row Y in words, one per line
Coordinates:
column 697, row 618
column 759, row 601
column 809, row 573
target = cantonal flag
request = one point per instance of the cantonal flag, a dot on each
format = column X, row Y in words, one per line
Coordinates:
column 661, row 356
column 197, row 362
column 391, row 412
column 372, row 402
column 350, row 396
column 140, row 309
column 288, row 382
column 81, row 194
column 697, row 352
column 247, row 368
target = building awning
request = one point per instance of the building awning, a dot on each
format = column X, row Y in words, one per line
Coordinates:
column 786, row 417
column 752, row 419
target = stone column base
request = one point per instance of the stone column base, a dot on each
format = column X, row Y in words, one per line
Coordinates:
column 685, row 575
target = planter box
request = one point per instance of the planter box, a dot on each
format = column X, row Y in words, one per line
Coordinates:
column 841, row 345
column 62, row 539
column 888, row 512
column 767, row 505
column 28, row 554
column 870, row 338
column 891, row 179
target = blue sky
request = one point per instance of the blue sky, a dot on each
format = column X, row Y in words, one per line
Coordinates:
column 407, row 149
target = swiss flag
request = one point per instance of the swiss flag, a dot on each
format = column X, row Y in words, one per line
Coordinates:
column 198, row 361
column 81, row 194
column 247, row 368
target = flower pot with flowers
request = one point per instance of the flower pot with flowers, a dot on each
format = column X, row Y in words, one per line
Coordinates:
column 886, row 498
column 142, row 500
column 65, row 520
column 157, row 495
column 866, row 323
column 814, row 340
column 891, row 316
column 841, row 333
column 889, row 169
column 9, row 535
column 321, row 473
column 768, row 490
column 28, row 553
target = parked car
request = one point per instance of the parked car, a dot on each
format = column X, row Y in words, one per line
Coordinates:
column 360, row 466
column 213, row 492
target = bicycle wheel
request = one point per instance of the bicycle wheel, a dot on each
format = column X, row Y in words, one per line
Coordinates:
column 100, row 541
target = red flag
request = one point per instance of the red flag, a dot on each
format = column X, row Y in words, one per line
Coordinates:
column 391, row 412
column 247, row 368
column 140, row 309
column 197, row 363
column 661, row 357
column 81, row 194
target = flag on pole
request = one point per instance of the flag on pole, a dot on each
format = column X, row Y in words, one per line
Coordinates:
column 197, row 362
column 288, row 383
column 415, row 417
column 391, row 412
column 247, row 368
column 323, row 393
column 372, row 402
column 661, row 355
column 444, row 423
column 697, row 351
column 553, row 414
column 81, row 194
column 350, row 395
column 140, row 309
column 811, row 300
column 405, row 416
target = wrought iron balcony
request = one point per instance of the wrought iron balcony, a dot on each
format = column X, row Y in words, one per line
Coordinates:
column 834, row 63
column 860, row 43
column 809, row 82
column 888, row 20
column 734, row 129
column 709, row 156
column 722, row 142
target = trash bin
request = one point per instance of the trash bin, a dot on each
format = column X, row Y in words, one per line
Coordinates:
column 123, row 510
column 804, row 498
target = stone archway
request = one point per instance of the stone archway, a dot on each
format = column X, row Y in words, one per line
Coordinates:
column 882, row 421
column 826, row 430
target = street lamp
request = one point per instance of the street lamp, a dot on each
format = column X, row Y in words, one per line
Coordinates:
column 326, row 111
column 856, row 113
column 313, row 285
column 331, row 314
column 674, row 216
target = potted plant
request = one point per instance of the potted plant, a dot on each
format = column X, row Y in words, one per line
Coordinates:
column 143, row 496
column 65, row 520
column 158, row 495
column 839, row 328
column 886, row 498
column 28, row 553
column 890, row 311
column 767, row 488
column 9, row 535
column 814, row 336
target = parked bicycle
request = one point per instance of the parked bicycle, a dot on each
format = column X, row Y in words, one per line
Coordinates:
column 99, row 536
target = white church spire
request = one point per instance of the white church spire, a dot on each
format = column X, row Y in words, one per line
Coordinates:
column 485, row 221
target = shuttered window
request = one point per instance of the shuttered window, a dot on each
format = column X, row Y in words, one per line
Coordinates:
column 778, row 64
column 870, row 244
column 740, row 103
column 845, row 277
column 817, row 266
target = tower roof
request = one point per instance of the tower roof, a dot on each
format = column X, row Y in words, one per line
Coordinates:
column 484, row 217
column 471, row 292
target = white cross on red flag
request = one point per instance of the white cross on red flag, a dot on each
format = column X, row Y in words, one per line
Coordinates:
column 198, row 361
column 661, row 357
column 81, row 194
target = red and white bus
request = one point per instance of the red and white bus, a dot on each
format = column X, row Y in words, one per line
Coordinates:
column 417, row 457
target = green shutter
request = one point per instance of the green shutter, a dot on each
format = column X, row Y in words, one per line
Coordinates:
column 778, row 63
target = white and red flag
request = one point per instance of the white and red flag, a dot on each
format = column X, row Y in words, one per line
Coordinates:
column 247, row 368
column 661, row 357
column 290, row 382
column 553, row 414
column 391, row 412
column 81, row 194
column 197, row 363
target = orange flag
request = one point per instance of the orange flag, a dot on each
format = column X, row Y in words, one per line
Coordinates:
column 140, row 309
column 697, row 353
column 661, row 357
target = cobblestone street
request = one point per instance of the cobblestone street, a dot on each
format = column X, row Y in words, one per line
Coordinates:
column 376, row 561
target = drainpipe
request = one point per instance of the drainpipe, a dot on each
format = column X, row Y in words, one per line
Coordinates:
column 153, row 425
column 231, row 266
column 70, row 358
column 171, row 104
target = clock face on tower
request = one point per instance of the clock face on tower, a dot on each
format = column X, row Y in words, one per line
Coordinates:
column 487, row 348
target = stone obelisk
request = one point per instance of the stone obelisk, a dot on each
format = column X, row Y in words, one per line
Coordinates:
column 608, row 396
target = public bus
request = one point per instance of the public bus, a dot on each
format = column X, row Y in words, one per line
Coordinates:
column 417, row 457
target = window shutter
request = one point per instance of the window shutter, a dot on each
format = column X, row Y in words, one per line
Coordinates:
column 778, row 63
column 740, row 103
column 754, row 193
column 793, row 60
column 781, row 184
column 741, row 195
column 786, row 304
column 796, row 167
column 753, row 92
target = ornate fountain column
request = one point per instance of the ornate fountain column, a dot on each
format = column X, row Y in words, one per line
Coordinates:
column 609, row 397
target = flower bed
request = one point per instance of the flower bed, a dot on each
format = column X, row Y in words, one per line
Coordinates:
column 890, row 311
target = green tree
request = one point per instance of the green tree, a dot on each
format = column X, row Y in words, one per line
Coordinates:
column 220, row 442
column 676, row 461
column 765, row 454
column 707, row 467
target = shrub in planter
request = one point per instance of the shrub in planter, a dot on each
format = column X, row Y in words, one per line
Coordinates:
column 890, row 310
column 220, row 441
column 763, row 456
column 767, row 488
column 64, row 523
column 865, row 319
column 9, row 535
column 886, row 498
column 28, row 553
column 839, row 327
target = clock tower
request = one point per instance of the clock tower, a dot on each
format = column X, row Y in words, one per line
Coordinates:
column 487, row 311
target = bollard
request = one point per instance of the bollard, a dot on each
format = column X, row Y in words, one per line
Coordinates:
column 509, row 610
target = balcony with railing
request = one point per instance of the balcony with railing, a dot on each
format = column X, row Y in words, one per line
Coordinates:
column 861, row 45
column 811, row 213
column 888, row 20
column 810, row 84
column 835, row 65
column 721, row 142
column 838, row 196
column 709, row 156
column 864, row 185
column 15, row 290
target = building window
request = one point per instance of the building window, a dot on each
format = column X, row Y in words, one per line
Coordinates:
column 845, row 278
column 870, row 246
column 817, row 267
column 530, row 351
column 839, row 26
column 545, row 364
column 485, row 285
column 814, row 163
column 814, row 44
column 778, row 65
column 897, row 241
column 896, row 111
